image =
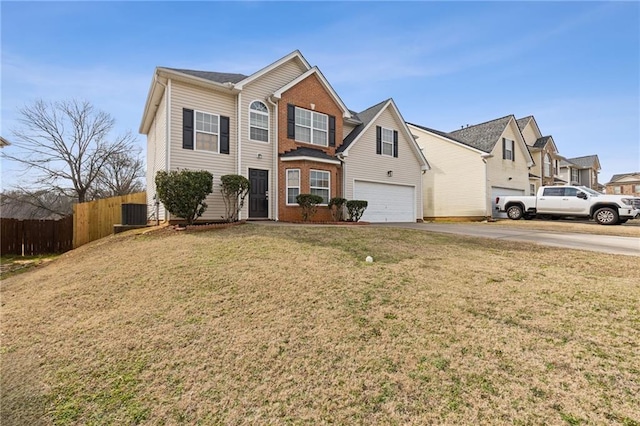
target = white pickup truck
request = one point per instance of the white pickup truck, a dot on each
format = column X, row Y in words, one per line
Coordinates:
column 574, row 201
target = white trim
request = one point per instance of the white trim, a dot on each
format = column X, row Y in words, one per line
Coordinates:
column 319, row 187
column 195, row 132
column 510, row 150
column 167, row 165
column 310, row 127
column 461, row 145
column 345, row 111
column 268, row 129
column 295, row 54
column 523, row 145
column 382, row 141
column 286, row 185
column 305, row 158
column 415, row 195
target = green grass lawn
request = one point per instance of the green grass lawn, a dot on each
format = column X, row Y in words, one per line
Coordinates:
column 289, row 325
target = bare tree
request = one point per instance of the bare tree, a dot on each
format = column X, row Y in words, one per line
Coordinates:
column 121, row 174
column 65, row 145
column 25, row 204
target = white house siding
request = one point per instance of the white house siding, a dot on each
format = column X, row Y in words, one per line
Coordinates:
column 363, row 164
column 456, row 184
column 347, row 128
column 260, row 89
column 184, row 95
column 156, row 154
column 508, row 174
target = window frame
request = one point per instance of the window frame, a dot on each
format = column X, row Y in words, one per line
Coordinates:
column 383, row 142
column 292, row 187
column 311, row 127
column 577, row 175
column 509, row 147
column 196, row 131
column 547, row 165
column 328, row 188
column 636, row 188
column 532, row 189
column 617, row 190
column 267, row 114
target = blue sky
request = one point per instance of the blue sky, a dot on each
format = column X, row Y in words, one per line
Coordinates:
column 573, row 65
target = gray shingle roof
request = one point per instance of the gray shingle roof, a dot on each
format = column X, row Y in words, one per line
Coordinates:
column 522, row 122
column 584, row 162
column 218, row 77
column 622, row 175
column 541, row 142
column 483, row 136
column 365, row 117
column 443, row 134
column 308, row 152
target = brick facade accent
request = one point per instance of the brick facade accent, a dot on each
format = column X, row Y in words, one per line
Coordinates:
column 303, row 95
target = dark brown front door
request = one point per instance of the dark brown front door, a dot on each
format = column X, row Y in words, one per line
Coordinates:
column 258, row 197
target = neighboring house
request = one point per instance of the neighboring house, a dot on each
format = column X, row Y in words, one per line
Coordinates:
column 470, row 167
column 544, row 152
column 581, row 171
column 4, row 142
column 286, row 130
column 624, row 184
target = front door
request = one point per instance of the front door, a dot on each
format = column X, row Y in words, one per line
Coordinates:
column 259, row 194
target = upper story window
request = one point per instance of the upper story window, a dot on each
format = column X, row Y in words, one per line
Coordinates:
column 203, row 131
column 507, row 149
column 532, row 189
column 312, row 127
column 386, row 141
column 547, row 165
column 207, row 126
column 258, row 122
column 555, row 167
column 575, row 175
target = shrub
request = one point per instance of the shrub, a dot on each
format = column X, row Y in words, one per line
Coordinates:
column 356, row 209
column 309, row 203
column 183, row 192
column 234, row 191
column 336, row 205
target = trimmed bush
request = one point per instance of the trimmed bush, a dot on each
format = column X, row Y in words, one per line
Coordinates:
column 336, row 205
column 183, row 192
column 309, row 203
column 356, row 209
column 235, row 189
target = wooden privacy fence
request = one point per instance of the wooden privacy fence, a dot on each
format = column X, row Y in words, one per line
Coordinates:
column 31, row 237
column 95, row 219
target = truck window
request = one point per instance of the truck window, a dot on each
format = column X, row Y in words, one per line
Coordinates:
column 553, row 192
column 570, row 192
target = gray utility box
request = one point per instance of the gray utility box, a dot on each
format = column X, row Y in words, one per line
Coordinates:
column 134, row 214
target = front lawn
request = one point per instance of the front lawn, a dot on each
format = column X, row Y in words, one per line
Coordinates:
column 289, row 325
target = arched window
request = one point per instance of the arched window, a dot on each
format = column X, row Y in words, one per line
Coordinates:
column 547, row 165
column 258, row 122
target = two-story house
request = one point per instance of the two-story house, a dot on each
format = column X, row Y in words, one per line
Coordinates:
column 546, row 170
column 286, row 129
column 624, row 184
column 582, row 171
column 471, row 166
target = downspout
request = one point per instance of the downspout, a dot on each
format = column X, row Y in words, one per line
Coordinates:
column 275, row 161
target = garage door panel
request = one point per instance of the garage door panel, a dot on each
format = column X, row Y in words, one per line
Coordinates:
column 497, row 192
column 387, row 203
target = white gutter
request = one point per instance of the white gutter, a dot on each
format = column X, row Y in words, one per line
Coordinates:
column 167, row 92
column 275, row 160
column 239, row 140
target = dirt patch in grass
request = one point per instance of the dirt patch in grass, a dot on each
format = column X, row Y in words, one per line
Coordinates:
column 279, row 325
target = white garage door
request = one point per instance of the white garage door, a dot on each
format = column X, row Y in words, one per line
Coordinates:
column 496, row 191
column 387, row 203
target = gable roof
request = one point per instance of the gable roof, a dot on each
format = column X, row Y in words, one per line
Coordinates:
column 446, row 136
column 621, row 176
column 293, row 55
column 370, row 115
column 216, row 77
column 483, row 136
column 346, row 112
column 585, row 162
column 522, row 122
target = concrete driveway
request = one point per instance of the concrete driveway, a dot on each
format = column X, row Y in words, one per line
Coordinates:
column 629, row 246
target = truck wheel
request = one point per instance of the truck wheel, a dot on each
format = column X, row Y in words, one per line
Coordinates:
column 606, row 216
column 514, row 212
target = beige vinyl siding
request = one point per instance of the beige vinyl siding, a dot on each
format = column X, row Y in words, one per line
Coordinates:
column 456, row 184
column 260, row 89
column 213, row 102
column 506, row 173
column 362, row 162
column 529, row 134
column 156, row 154
column 346, row 129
